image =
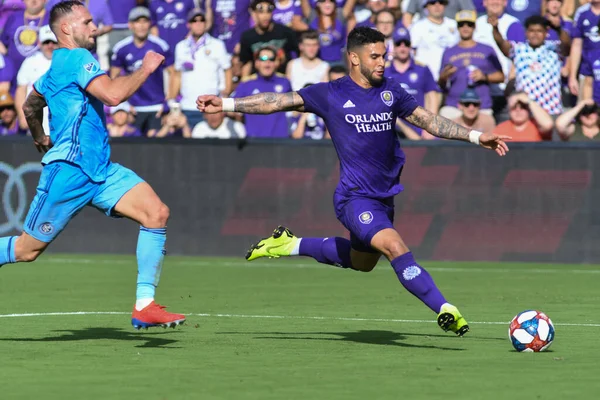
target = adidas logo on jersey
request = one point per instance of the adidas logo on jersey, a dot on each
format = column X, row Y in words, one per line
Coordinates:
column 349, row 104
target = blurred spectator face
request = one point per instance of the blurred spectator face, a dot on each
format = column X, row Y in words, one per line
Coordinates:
column 336, row 75
column 120, row 118
column 197, row 26
column 48, row 48
column 436, row 8
column 470, row 109
column 466, row 29
column 265, row 63
column 536, row 35
column 140, row 28
column 588, row 120
column 263, row 13
column 385, row 23
column 517, row 111
column 495, row 7
column 402, row 50
column 34, row 6
column 214, row 120
column 326, row 7
column 8, row 115
column 310, row 48
column 376, row 5
column 553, row 7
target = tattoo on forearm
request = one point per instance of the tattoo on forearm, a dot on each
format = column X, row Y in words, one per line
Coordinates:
column 438, row 126
column 33, row 109
column 267, row 103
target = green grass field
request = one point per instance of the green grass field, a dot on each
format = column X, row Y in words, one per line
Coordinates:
column 291, row 329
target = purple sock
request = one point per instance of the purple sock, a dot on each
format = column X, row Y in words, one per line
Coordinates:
column 333, row 251
column 418, row 281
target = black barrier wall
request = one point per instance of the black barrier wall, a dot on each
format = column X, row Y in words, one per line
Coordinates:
column 540, row 203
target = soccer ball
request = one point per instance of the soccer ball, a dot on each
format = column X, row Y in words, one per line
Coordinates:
column 531, row 331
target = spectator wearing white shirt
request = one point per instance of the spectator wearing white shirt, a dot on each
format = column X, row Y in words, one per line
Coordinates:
column 432, row 35
column 218, row 126
column 31, row 70
column 202, row 65
column 308, row 68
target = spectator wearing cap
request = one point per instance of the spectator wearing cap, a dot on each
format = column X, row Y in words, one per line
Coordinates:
column 471, row 116
column 416, row 79
column 7, row 74
column 452, row 7
column 119, row 126
column 20, row 34
column 169, row 19
column 537, row 63
column 227, row 20
column 266, row 33
column 9, row 124
column 308, row 68
column 149, row 102
column 265, row 80
column 119, row 10
column 468, row 65
column 31, row 70
column 580, row 123
column 332, row 29
column 528, row 122
column 432, row 35
column 202, row 65
column 219, row 126
column 585, row 46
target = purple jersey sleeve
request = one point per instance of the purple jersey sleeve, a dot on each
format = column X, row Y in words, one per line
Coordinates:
column 404, row 103
column 515, row 33
column 7, row 69
column 117, row 60
column 429, row 84
column 6, row 33
column 169, row 57
column 316, row 99
column 445, row 59
column 577, row 31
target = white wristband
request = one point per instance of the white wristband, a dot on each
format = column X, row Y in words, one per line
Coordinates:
column 228, row 104
column 474, row 137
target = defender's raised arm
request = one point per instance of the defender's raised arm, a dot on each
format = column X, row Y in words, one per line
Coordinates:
column 262, row 103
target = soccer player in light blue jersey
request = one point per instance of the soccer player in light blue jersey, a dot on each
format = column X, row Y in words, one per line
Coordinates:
column 77, row 168
column 360, row 111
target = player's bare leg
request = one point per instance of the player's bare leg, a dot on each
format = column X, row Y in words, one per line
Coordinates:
column 143, row 205
column 417, row 280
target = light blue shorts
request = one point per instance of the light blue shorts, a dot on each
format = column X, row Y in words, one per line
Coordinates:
column 64, row 189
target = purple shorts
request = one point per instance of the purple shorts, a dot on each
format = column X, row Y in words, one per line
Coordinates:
column 364, row 217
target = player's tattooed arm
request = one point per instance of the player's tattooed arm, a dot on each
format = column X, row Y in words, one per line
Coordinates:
column 267, row 103
column 33, row 109
column 437, row 125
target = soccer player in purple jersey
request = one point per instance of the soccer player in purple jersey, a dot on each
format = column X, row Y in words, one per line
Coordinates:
column 359, row 111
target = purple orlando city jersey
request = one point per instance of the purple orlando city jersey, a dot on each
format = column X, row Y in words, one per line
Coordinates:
column 361, row 124
column 20, row 36
column 265, row 126
column 480, row 57
column 128, row 57
column 170, row 17
column 594, row 65
column 417, row 80
column 332, row 41
column 586, row 28
column 231, row 18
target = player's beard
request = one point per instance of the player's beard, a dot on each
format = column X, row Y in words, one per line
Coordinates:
column 84, row 43
column 373, row 81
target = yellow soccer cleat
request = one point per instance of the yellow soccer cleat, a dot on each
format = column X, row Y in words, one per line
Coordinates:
column 450, row 319
column 281, row 243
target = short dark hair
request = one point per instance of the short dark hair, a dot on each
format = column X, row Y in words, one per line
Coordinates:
column 363, row 35
column 255, row 3
column 536, row 20
column 310, row 34
column 338, row 69
column 60, row 10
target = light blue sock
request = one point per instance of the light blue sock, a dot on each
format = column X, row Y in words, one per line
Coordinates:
column 150, row 254
column 7, row 250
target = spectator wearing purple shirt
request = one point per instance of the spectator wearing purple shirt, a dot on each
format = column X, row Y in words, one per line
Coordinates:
column 149, row 101
column 8, row 73
column 169, row 20
column 120, row 126
column 332, row 31
column 20, row 34
column 9, row 124
column 586, row 40
column 119, row 9
column 416, row 80
column 230, row 18
column 468, row 65
column 373, row 6
column 264, row 81
column 7, row 7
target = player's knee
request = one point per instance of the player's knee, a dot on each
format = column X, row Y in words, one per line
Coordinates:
column 157, row 216
column 394, row 249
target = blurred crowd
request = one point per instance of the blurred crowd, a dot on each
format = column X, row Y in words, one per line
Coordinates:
column 526, row 68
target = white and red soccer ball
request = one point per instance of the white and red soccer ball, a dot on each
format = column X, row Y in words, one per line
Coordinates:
column 531, row 331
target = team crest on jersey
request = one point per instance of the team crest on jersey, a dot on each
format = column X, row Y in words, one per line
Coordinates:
column 256, row 91
column 46, row 228
column 366, row 217
column 179, row 6
column 278, row 88
column 413, row 77
column 92, row 67
column 387, row 97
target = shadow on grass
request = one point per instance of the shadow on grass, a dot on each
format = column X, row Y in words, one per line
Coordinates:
column 151, row 339
column 385, row 338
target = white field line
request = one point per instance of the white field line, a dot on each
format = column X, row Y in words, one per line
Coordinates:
column 205, row 315
column 275, row 264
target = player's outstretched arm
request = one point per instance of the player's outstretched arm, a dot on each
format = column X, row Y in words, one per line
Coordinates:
column 262, row 103
column 33, row 109
column 446, row 129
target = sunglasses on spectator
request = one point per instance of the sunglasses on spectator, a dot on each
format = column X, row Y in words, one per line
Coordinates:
column 325, row 1
column 403, row 41
column 469, row 24
column 470, row 103
column 264, row 8
column 265, row 57
column 199, row 19
column 442, row 2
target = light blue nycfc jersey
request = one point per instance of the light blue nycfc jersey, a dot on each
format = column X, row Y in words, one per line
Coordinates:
column 77, row 122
